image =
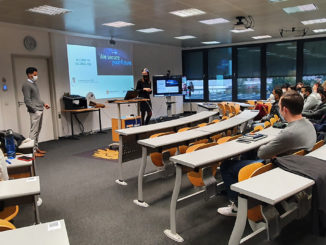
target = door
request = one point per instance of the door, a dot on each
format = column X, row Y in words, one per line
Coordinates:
column 43, row 83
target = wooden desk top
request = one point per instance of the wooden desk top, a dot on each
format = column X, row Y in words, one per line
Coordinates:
column 82, row 110
column 129, row 101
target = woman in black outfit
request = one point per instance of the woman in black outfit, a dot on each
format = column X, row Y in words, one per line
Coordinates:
column 144, row 90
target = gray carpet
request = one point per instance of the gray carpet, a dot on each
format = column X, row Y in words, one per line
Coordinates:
column 97, row 211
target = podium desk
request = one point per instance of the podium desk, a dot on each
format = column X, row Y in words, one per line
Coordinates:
column 85, row 110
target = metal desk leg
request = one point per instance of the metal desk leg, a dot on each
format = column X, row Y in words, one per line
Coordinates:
column 100, row 121
column 119, row 116
column 140, row 201
column 172, row 233
column 240, row 223
column 120, row 181
column 36, row 211
column 72, row 125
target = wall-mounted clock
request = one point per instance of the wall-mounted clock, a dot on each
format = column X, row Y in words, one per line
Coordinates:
column 30, row 43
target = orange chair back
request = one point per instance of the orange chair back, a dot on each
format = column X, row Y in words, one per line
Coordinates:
column 318, row 145
column 196, row 178
column 6, row 225
column 157, row 157
column 247, row 172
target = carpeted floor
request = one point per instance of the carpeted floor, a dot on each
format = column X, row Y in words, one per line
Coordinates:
column 97, row 211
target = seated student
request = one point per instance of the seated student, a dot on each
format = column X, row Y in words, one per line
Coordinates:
column 277, row 92
column 320, row 110
column 300, row 134
column 315, row 89
column 310, row 100
column 3, row 167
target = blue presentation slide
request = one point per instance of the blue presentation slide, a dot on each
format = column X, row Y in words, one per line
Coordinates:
column 107, row 72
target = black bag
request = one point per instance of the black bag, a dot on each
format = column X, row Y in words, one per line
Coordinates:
column 18, row 140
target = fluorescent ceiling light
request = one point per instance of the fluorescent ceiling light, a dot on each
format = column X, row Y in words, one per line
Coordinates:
column 211, row 42
column 261, row 37
column 319, row 30
column 118, row 24
column 300, row 8
column 150, row 30
column 311, row 22
column 277, row 1
column 188, row 12
column 48, row 10
column 214, row 21
column 185, row 37
column 240, row 31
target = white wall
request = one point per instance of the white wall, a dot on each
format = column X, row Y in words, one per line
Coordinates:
column 157, row 58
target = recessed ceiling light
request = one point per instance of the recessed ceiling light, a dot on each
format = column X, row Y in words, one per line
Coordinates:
column 261, row 37
column 240, row 31
column 300, row 8
column 118, row 24
column 311, row 22
column 150, row 30
column 214, row 21
column 185, row 37
column 188, row 12
column 48, row 10
column 319, row 30
column 277, row 1
column 211, row 42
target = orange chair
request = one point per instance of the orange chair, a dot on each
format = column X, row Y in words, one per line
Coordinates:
column 201, row 125
column 276, row 117
column 216, row 121
column 269, row 107
column 300, row 153
column 227, row 139
column 267, row 124
column 6, row 225
column 272, row 121
column 214, row 138
column 318, row 145
column 251, row 170
column 196, row 177
column 227, row 109
column 157, row 157
column 221, row 109
column 9, row 213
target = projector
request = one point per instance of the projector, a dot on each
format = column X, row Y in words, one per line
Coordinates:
column 112, row 42
column 239, row 27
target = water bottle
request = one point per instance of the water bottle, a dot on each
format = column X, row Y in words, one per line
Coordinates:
column 10, row 144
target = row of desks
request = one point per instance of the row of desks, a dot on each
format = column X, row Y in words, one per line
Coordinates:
column 130, row 150
column 23, row 191
column 186, row 137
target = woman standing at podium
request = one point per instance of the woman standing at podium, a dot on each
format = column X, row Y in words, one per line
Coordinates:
column 144, row 89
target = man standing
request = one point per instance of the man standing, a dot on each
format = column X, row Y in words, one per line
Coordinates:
column 34, row 106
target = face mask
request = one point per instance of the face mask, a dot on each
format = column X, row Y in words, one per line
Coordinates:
column 146, row 78
column 35, row 78
column 284, row 91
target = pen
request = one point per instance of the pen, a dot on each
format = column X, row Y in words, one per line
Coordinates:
column 8, row 161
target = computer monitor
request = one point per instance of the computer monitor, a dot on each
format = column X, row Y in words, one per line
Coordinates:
column 167, row 86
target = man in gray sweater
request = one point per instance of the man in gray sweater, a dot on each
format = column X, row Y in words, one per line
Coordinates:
column 34, row 106
column 300, row 134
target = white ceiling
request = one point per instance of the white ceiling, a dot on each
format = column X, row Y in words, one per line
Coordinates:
column 87, row 17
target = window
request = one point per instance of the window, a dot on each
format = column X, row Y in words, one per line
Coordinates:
column 281, row 61
column 314, row 62
column 220, row 74
column 249, row 82
column 195, row 90
column 193, row 70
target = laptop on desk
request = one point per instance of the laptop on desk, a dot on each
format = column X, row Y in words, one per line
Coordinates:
column 131, row 94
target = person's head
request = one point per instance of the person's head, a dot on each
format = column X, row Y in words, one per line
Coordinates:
column 322, row 93
column 306, row 91
column 145, row 73
column 315, row 87
column 285, row 87
column 291, row 105
column 31, row 73
column 324, row 85
column 277, row 92
column 299, row 86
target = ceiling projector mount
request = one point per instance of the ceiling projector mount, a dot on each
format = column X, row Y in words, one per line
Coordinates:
column 294, row 32
column 244, row 22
